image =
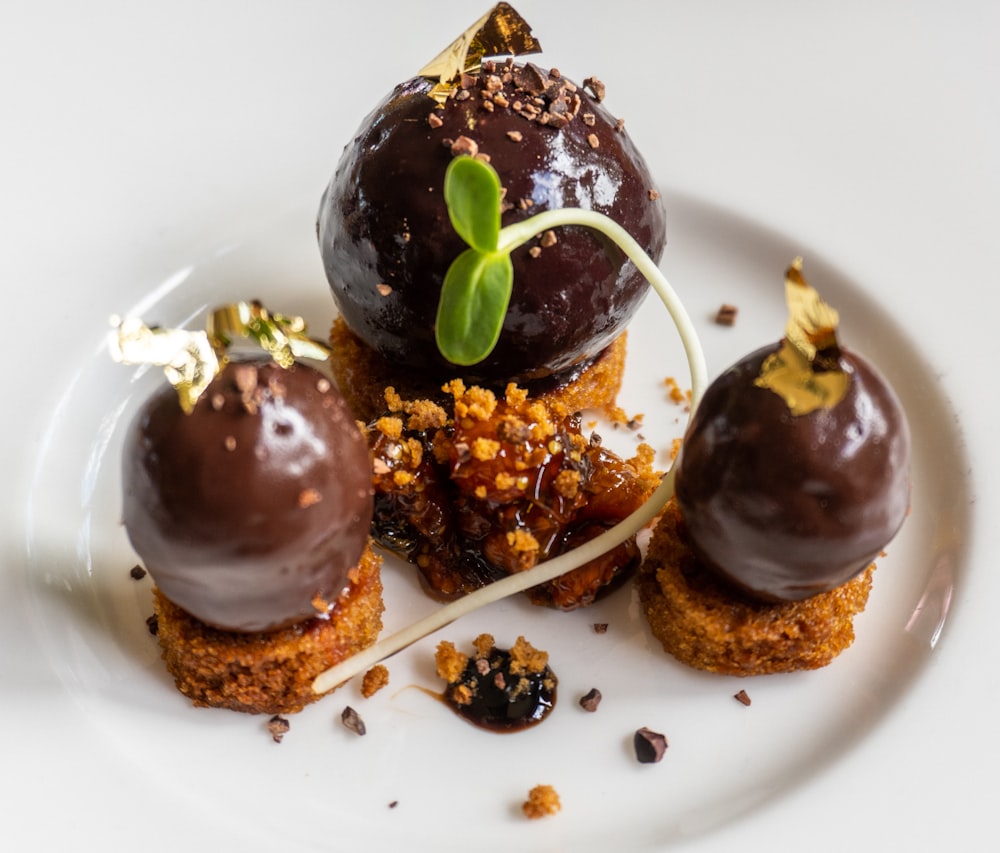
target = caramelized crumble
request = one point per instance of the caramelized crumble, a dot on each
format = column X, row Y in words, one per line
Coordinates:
column 503, row 483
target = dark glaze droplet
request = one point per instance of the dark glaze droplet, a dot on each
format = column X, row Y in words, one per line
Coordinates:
column 253, row 505
column 383, row 221
column 502, row 701
column 790, row 506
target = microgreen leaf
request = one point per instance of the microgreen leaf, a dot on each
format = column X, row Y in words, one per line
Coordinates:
column 472, row 193
column 474, row 299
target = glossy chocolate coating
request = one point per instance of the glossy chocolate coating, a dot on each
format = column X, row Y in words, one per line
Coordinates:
column 790, row 506
column 255, row 503
column 383, row 221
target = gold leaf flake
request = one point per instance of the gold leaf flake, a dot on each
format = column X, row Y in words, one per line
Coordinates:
column 500, row 32
column 805, row 371
column 192, row 359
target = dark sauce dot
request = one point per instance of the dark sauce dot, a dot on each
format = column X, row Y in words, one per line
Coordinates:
column 489, row 695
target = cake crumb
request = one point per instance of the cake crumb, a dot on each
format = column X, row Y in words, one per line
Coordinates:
column 525, row 658
column 374, row 680
column 742, row 697
column 600, row 627
column 450, row 662
column 542, row 800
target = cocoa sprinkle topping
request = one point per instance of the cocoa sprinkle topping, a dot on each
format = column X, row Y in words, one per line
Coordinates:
column 464, row 145
column 137, row 573
column 596, row 87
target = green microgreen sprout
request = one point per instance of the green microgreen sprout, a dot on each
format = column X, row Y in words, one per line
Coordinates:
column 478, row 285
column 480, row 282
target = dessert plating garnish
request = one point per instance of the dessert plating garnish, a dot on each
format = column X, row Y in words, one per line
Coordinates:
column 192, row 359
column 476, row 288
column 465, row 168
column 806, row 371
column 500, row 32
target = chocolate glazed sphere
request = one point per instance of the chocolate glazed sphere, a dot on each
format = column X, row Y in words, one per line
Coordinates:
column 254, row 504
column 790, row 506
column 382, row 221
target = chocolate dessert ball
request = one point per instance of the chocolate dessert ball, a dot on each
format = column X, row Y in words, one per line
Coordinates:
column 787, row 506
column 250, row 511
column 387, row 241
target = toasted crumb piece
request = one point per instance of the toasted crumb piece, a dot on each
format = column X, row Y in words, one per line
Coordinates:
column 374, row 680
column 525, row 658
column 742, row 697
column 591, row 699
column 542, row 800
column 450, row 662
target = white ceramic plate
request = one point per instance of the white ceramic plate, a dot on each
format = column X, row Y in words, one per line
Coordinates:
column 724, row 759
column 170, row 158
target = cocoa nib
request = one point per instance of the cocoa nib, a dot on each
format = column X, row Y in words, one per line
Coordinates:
column 350, row 718
column 649, row 745
column 278, row 726
column 591, row 699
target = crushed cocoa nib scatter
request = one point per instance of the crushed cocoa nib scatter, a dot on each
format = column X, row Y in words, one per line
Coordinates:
column 650, row 746
column 600, row 627
column 393, row 804
column 591, row 699
column 137, row 573
column 726, row 315
column 278, row 726
column 742, row 697
column 352, row 720
column 153, row 624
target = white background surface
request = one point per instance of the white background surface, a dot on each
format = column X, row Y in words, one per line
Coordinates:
column 138, row 138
